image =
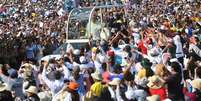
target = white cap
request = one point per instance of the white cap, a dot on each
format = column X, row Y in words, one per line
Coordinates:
column 102, row 59
column 83, row 59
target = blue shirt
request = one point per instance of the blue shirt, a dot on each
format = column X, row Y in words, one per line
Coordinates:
column 30, row 52
column 81, row 88
column 112, row 76
column 190, row 32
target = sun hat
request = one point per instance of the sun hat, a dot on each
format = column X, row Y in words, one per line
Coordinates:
column 96, row 75
column 114, row 82
column 3, row 86
column 32, row 89
column 155, row 82
column 196, row 83
column 153, row 98
column 73, row 85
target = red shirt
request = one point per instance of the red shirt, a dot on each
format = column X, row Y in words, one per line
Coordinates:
column 192, row 96
column 161, row 92
column 105, row 76
column 142, row 48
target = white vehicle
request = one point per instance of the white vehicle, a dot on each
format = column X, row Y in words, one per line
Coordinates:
column 84, row 23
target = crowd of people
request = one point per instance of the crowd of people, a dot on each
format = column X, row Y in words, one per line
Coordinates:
column 152, row 52
column 31, row 25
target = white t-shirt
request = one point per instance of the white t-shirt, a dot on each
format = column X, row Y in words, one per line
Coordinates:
column 179, row 49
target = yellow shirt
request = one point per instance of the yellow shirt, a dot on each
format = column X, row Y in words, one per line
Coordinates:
column 141, row 73
column 96, row 88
